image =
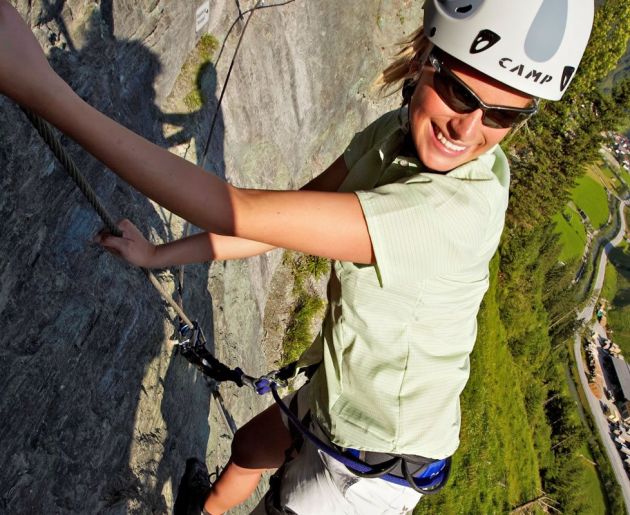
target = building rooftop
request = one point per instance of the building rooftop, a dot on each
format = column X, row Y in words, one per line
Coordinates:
column 623, row 374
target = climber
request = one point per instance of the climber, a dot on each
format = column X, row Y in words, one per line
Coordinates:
column 411, row 214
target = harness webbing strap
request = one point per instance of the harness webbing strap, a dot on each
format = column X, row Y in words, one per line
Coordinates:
column 432, row 478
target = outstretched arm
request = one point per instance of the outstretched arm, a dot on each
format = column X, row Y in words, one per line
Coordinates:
column 133, row 247
column 137, row 250
column 320, row 223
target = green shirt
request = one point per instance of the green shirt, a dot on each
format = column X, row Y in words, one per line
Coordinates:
column 396, row 339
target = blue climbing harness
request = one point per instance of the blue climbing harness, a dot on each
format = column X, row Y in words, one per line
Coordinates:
column 429, row 476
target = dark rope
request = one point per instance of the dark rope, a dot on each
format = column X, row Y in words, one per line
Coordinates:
column 255, row 8
column 224, row 89
column 240, row 12
column 232, row 62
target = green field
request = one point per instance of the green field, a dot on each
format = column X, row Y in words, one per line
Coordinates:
column 572, row 234
column 590, row 196
column 616, row 290
column 609, row 289
column 606, row 172
column 593, row 496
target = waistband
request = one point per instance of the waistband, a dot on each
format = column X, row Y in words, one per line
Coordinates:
column 424, row 475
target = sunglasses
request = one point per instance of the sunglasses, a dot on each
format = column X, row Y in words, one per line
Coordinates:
column 460, row 98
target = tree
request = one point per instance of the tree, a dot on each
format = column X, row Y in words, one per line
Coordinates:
column 607, row 44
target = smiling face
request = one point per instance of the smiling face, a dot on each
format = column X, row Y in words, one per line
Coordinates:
column 445, row 139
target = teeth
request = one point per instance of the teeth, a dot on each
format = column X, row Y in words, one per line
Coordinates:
column 447, row 143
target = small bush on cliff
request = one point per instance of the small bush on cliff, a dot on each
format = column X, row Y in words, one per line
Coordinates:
column 195, row 67
column 308, row 305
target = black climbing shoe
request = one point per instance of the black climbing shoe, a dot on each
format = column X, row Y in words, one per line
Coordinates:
column 194, row 488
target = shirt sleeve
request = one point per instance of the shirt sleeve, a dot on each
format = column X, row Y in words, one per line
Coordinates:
column 421, row 229
column 362, row 142
column 363, row 156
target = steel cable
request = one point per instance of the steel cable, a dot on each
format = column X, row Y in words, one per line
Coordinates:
column 47, row 134
column 53, row 142
column 49, row 137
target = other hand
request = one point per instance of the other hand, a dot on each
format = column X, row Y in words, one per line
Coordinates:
column 132, row 246
column 25, row 74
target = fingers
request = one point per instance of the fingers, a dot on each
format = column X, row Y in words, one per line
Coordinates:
column 111, row 242
column 126, row 225
column 129, row 230
column 132, row 246
column 108, row 240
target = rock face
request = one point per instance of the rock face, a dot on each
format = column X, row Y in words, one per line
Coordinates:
column 97, row 415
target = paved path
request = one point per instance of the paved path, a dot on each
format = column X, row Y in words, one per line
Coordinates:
column 587, row 315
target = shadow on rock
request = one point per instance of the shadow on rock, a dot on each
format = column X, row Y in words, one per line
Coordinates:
column 97, row 417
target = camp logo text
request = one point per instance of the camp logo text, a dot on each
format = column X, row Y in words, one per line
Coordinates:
column 520, row 70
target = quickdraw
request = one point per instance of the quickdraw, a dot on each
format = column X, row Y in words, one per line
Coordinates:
column 191, row 344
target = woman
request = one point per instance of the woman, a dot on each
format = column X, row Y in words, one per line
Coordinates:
column 411, row 213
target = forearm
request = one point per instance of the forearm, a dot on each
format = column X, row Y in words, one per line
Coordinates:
column 230, row 247
column 205, row 247
column 306, row 221
column 178, row 185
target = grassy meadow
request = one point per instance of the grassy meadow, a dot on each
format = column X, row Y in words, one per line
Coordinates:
column 603, row 172
column 590, row 196
column 572, row 234
column 593, row 493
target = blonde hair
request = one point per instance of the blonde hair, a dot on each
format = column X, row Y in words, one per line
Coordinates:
column 413, row 50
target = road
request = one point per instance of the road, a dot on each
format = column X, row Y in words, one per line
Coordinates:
column 587, row 315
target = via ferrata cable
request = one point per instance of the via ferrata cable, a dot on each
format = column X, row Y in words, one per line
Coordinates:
column 47, row 134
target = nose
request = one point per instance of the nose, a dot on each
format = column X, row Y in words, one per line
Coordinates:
column 465, row 125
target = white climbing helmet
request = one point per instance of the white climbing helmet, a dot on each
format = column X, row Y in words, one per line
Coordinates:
column 534, row 46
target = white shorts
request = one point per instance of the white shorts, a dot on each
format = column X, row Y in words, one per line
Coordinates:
column 314, row 483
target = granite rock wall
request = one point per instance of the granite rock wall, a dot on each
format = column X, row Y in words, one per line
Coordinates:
column 97, row 414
